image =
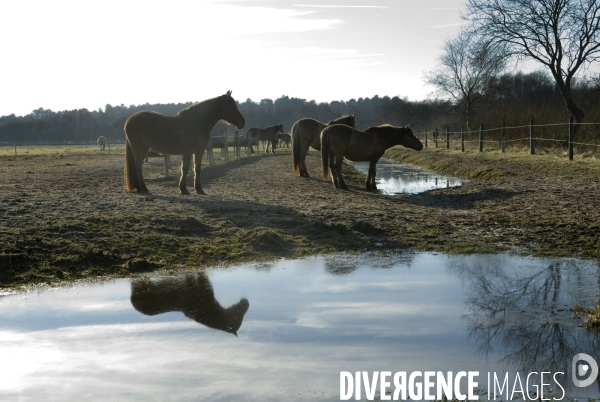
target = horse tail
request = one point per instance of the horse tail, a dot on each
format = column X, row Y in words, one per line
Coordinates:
column 296, row 150
column 131, row 177
column 325, row 149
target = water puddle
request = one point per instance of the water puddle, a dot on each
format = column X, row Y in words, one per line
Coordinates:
column 285, row 331
column 403, row 178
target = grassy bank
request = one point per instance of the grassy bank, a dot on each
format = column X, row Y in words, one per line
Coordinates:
column 67, row 217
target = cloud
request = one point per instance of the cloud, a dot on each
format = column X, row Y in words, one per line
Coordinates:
column 442, row 26
column 335, row 6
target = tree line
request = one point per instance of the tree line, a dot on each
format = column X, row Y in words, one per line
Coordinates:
column 516, row 98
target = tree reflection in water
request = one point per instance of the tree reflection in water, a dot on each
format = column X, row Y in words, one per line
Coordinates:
column 191, row 294
column 523, row 313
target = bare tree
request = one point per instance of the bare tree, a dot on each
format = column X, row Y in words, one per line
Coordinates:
column 562, row 35
column 466, row 71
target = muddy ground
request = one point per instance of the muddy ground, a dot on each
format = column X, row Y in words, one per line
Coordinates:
column 65, row 217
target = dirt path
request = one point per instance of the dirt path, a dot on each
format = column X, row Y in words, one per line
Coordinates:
column 69, row 217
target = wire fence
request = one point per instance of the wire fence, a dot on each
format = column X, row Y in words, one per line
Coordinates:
column 528, row 135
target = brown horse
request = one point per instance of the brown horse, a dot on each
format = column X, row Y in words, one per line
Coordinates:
column 269, row 134
column 339, row 141
column 285, row 139
column 186, row 134
column 193, row 295
column 306, row 133
column 102, row 142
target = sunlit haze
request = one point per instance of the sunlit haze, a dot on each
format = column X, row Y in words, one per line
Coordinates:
column 64, row 55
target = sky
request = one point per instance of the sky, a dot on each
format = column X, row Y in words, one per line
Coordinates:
column 64, row 55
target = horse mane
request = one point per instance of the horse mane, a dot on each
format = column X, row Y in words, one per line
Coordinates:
column 205, row 110
column 339, row 119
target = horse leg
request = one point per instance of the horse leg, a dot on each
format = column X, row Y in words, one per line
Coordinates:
column 197, row 167
column 304, row 146
column 370, row 183
column 338, row 169
column 332, row 172
column 373, row 184
column 139, row 158
column 185, row 166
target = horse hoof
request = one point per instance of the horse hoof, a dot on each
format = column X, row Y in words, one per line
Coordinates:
column 200, row 191
column 184, row 192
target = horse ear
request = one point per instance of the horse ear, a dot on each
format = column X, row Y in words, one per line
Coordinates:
column 228, row 93
column 407, row 126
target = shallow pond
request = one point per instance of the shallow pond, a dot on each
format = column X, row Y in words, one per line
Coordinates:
column 299, row 323
column 402, row 178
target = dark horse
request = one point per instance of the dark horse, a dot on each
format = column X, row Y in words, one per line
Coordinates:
column 285, row 139
column 306, row 133
column 339, row 141
column 193, row 295
column 186, row 134
column 269, row 134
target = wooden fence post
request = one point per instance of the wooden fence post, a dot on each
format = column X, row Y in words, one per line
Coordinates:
column 447, row 137
column 237, row 144
column 462, row 139
column 211, row 157
column 571, row 121
column 167, row 164
column 531, row 138
column 226, row 139
column 435, row 136
column 503, row 138
column 15, row 147
column 481, row 138
column 425, row 138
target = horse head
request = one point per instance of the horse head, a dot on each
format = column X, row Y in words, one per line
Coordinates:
column 409, row 140
column 230, row 112
column 234, row 315
column 347, row 120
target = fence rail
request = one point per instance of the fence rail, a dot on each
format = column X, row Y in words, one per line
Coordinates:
column 533, row 138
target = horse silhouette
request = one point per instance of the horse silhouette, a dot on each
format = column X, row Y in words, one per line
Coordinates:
column 191, row 294
column 270, row 134
column 102, row 142
column 186, row 134
column 306, row 133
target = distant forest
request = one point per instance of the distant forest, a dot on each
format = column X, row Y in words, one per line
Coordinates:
column 516, row 99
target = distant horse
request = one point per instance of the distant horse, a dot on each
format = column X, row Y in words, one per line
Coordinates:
column 285, row 139
column 269, row 134
column 102, row 141
column 339, row 141
column 305, row 134
column 186, row 134
column 193, row 295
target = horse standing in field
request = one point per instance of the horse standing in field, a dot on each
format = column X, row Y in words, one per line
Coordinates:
column 193, row 295
column 186, row 134
column 339, row 141
column 285, row 139
column 269, row 134
column 306, row 133
column 102, row 141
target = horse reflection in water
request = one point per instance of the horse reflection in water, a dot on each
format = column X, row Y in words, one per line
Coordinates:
column 191, row 294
